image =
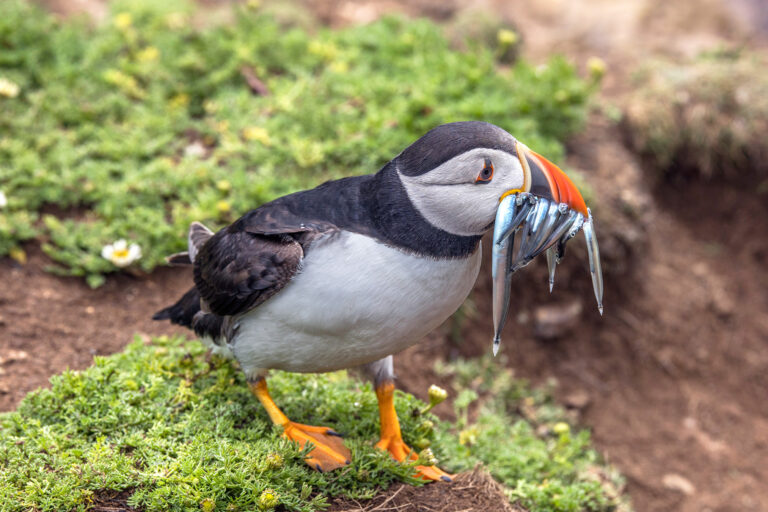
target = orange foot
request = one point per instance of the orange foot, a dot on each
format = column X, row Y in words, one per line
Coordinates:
column 328, row 452
column 401, row 452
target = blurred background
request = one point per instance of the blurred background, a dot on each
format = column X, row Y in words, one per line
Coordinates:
column 200, row 111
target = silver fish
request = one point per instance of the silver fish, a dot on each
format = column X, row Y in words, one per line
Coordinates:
column 551, row 266
column 594, row 260
column 543, row 226
column 503, row 239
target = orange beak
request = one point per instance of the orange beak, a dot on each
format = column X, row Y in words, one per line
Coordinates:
column 549, row 181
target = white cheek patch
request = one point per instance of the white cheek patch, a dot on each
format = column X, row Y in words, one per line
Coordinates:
column 449, row 199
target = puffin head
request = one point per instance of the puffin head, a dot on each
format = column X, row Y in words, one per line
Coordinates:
column 457, row 173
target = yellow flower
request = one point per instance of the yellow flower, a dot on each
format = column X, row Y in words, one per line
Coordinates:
column 596, row 67
column 339, row 66
column 561, row 428
column 223, row 206
column 18, row 255
column 123, row 20
column 126, row 83
column 210, row 106
column 207, row 505
column 268, row 500
column 507, row 37
column 120, row 253
column 274, row 460
column 436, row 395
column 148, row 54
column 8, row 88
column 181, row 100
column 328, row 50
column 257, row 133
column 428, row 457
column 222, row 126
column 224, row 185
column 175, row 20
column 468, row 436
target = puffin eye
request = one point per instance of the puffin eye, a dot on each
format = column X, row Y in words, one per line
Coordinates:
column 486, row 175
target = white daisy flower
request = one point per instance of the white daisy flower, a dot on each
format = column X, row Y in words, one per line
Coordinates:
column 3, row 200
column 120, row 253
column 8, row 88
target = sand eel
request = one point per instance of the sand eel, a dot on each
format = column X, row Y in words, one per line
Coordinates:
column 357, row 269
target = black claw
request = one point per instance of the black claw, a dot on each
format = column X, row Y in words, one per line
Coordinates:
column 347, row 461
column 317, row 467
column 446, row 478
column 334, row 433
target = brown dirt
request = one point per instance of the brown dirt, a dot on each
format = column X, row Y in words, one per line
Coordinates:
column 673, row 381
column 674, row 377
column 473, row 491
column 49, row 323
column 111, row 501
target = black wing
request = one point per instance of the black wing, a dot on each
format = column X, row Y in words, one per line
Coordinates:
column 237, row 271
column 248, row 262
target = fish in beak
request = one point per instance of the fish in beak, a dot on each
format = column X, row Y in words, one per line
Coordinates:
column 543, row 217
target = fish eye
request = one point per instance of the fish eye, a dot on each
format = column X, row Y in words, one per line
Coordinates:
column 486, row 175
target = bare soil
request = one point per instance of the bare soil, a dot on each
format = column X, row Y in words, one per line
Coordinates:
column 673, row 380
column 49, row 323
column 472, row 491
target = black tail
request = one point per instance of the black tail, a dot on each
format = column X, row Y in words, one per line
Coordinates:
column 183, row 312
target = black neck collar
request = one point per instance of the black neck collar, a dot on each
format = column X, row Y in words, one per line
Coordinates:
column 398, row 223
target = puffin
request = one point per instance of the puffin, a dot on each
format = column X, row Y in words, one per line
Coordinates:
column 357, row 269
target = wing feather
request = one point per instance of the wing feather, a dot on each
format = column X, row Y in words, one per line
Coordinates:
column 236, row 270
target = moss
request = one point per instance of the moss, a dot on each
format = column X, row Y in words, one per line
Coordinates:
column 130, row 129
column 182, row 432
column 704, row 118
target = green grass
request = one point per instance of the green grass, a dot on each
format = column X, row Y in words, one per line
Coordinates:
column 136, row 128
column 184, row 433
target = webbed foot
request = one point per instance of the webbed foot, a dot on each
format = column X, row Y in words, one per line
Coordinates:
column 401, row 452
column 328, row 452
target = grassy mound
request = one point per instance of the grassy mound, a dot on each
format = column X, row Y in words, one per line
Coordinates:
column 705, row 118
column 181, row 432
column 138, row 127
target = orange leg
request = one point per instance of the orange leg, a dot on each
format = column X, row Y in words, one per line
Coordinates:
column 328, row 452
column 391, row 438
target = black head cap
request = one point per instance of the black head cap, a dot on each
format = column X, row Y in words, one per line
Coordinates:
column 449, row 140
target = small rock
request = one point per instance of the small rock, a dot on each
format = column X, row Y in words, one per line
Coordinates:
column 578, row 399
column 557, row 320
column 13, row 355
column 721, row 303
column 679, row 483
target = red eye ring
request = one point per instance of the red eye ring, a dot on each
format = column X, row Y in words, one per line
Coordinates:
column 486, row 175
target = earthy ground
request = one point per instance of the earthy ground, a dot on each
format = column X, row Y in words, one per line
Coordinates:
column 473, row 491
column 673, row 381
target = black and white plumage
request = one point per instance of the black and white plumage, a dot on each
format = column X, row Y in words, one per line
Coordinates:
column 357, row 269
column 357, row 243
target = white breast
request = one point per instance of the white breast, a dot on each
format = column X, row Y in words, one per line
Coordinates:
column 355, row 301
